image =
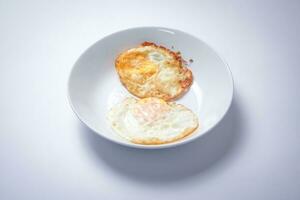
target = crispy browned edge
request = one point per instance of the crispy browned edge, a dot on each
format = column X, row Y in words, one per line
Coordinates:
column 185, row 85
column 156, row 141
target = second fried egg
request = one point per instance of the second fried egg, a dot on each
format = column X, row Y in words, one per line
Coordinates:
column 151, row 120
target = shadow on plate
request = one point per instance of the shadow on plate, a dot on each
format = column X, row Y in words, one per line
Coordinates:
column 206, row 153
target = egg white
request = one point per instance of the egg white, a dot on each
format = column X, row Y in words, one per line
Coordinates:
column 174, row 123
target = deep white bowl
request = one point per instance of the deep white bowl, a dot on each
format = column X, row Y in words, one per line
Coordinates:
column 94, row 85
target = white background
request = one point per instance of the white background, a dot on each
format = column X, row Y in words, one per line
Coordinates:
column 45, row 153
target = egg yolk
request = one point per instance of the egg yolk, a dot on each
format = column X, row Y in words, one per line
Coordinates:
column 149, row 110
column 139, row 65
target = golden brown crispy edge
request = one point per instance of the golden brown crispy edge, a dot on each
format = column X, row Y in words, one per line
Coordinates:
column 185, row 84
column 156, row 141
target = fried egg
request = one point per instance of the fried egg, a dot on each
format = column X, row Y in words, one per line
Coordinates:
column 151, row 120
column 150, row 70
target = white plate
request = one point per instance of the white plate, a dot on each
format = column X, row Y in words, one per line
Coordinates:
column 94, row 85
